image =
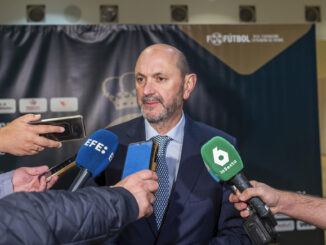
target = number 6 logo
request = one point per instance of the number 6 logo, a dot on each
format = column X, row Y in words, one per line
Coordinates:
column 220, row 157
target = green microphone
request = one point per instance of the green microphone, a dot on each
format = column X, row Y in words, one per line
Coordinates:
column 224, row 162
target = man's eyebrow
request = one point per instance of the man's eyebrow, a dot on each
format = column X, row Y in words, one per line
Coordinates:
column 155, row 74
column 139, row 74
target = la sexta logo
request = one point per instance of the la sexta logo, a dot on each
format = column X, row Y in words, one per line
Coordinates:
column 220, row 157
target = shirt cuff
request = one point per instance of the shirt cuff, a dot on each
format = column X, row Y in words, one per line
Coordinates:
column 6, row 187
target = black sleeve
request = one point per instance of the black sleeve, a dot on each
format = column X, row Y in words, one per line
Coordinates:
column 57, row 217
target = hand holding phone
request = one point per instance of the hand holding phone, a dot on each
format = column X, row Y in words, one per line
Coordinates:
column 73, row 125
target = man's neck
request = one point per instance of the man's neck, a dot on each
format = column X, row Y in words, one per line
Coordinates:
column 165, row 126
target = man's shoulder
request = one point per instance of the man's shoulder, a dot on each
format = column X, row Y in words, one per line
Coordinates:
column 206, row 132
column 123, row 127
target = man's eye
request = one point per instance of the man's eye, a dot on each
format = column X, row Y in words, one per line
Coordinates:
column 139, row 79
column 161, row 79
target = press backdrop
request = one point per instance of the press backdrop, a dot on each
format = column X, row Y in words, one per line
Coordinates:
column 256, row 82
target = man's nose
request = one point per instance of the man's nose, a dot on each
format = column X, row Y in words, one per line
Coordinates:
column 149, row 88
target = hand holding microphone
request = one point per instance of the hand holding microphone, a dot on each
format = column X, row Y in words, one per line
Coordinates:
column 268, row 194
column 143, row 186
column 223, row 162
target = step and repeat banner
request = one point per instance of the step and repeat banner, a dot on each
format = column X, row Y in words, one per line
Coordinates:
column 256, row 82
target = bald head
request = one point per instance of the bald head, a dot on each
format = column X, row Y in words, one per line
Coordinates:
column 175, row 54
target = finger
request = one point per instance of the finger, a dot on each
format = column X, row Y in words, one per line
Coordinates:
column 42, row 186
column 52, row 182
column 245, row 213
column 249, row 193
column 240, row 205
column 146, row 174
column 254, row 183
column 28, row 153
column 44, row 129
column 38, row 148
column 151, row 185
column 149, row 211
column 30, row 118
column 233, row 198
column 44, row 142
column 36, row 170
column 152, row 199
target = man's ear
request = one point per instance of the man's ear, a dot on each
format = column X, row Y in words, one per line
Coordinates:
column 189, row 85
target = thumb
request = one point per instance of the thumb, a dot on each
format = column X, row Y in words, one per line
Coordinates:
column 42, row 186
column 37, row 170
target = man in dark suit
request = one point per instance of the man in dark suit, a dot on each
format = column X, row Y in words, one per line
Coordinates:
column 190, row 207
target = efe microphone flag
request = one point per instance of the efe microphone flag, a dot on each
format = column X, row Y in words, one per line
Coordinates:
column 97, row 151
column 94, row 156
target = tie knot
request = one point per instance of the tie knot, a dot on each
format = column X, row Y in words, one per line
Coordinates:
column 162, row 142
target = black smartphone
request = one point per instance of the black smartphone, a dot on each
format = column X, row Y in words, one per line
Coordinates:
column 74, row 128
column 60, row 169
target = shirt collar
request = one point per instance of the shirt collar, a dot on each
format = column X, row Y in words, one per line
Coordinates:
column 176, row 133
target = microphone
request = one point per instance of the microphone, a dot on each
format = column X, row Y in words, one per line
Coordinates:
column 223, row 162
column 94, row 156
column 140, row 156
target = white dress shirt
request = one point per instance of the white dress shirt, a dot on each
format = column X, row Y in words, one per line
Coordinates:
column 174, row 148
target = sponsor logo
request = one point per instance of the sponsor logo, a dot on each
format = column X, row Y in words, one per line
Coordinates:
column 98, row 146
column 7, row 106
column 218, row 38
column 302, row 226
column 285, row 225
column 220, row 157
column 63, row 104
column 32, row 105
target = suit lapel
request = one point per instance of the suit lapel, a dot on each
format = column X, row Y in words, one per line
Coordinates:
column 136, row 131
column 189, row 171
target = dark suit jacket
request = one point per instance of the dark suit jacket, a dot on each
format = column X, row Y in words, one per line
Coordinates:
column 199, row 211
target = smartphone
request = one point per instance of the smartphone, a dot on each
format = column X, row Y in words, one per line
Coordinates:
column 74, row 128
column 60, row 169
column 140, row 156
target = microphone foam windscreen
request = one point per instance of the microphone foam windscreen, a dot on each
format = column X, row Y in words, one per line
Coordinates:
column 221, row 158
column 138, row 157
column 98, row 151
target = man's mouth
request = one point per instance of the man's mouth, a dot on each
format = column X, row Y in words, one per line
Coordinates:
column 150, row 101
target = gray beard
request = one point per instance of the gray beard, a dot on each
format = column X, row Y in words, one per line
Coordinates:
column 164, row 115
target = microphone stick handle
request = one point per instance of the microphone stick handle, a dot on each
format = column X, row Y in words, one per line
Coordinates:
column 242, row 183
column 80, row 179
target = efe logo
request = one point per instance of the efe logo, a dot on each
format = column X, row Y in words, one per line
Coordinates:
column 220, row 157
column 96, row 145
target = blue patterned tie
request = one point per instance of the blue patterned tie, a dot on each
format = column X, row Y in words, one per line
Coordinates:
column 163, row 193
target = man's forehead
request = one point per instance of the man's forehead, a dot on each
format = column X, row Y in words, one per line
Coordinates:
column 156, row 63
